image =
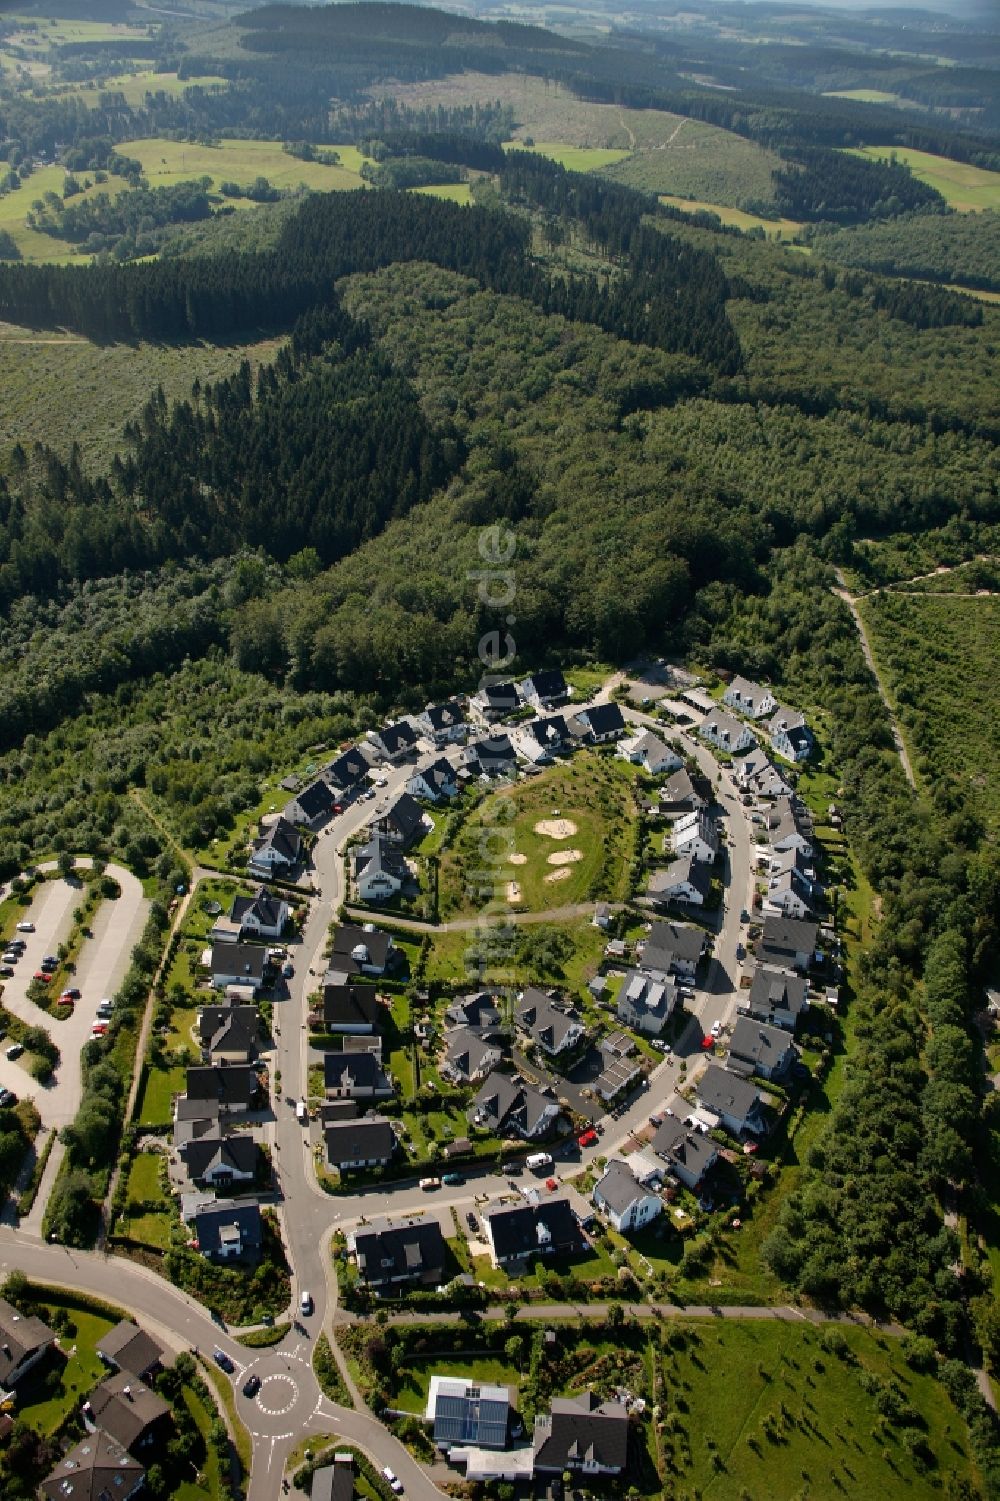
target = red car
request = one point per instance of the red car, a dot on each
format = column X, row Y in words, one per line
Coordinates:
column 551, row 1185
column 708, row 1043
column 587, row 1139
column 99, row 1029
column 41, row 975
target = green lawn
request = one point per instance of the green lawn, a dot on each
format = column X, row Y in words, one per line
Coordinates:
column 968, row 189
column 797, row 1418
column 79, row 1367
column 455, row 192
column 135, row 86
column 150, row 1226
column 415, row 1379
column 33, row 245
column 166, row 162
column 775, row 229
column 573, row 158
column 209, row 1482
column 155, row 1107
column 863, row 96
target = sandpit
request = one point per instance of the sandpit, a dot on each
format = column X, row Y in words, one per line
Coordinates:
column 556, row 828
column 564, row 857
column 557, row 875
column 513, row 891
column 518, row 859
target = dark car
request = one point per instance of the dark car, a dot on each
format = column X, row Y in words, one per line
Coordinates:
column 511, row 1168
column 6, row 972
column 7, row 1099
column 222, row 1360
column 48, row 963
column 471, row 1221
column 251, row 1386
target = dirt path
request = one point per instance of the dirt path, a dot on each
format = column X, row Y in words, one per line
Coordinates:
column 918, row 578
column 842, row 592
column 468, row 924
column 632, row 143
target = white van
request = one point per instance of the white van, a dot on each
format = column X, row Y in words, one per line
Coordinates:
column 302, row 1113
column 537, row 1161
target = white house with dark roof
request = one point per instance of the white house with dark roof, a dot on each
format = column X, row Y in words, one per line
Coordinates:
column 220, row 1161
column 348, row 770
column 788, row 942
column 277, row 851
column 749, row 698
column 685, row 880
column 23, row 1342
column 647, row 750
column 764, row 1049
column 625, row 1202
column 789, row 894
column 380, row 871
column 468, row 1056
column 684, row 793
column 497, row 697
column 646, row 1002
column 353, row 1144
column 604, row 722
column 506, row 1106
column 791, row 737
column 478, row 1011
column 545, row 689
column 726, row 733
column 228, row 1034
column 394, row 742
column 688, row 1153
column 126, row 1347
column 776, row 996
column 348, row 1008
column 549, row 1021
column 363, row 950
column 582, row 1434
column 95, row 1468
column 355, row 1076
column 263, row 915
column 408, row 1249
column 739, row 1106
column 434, row 782
column 673, row 948
column 494, row 756
column 443, row 724
column 541, row 740
column 311, row 807
column 696, row 835
column 404, row 821
column 238, row 964
column 548, row 1228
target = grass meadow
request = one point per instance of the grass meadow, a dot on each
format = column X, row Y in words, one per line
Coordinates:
column 968, row 189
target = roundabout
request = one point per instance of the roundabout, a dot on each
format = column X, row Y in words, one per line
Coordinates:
column 277, row 1396
column 287, row 1397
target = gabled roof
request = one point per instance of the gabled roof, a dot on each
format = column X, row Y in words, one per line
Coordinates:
column 349, row 936
column 549, row 683
column 776, row 990
column 282, row 837
column 95, row 1469
column 126, row 1408
column 350, row 1005
column 408, row 1247
column 493, row 750
column 582, row 1430
column 196, row 1111
column 21, row 1336
column 379, row 855
column 500, row 697
column 649, row 746
column 617, row 1188
column 604, row 719
column 517, row 1232
column 789, row 935
column 238, row 1154
column 641, row 992
column 442, row 717
column 229, row 1029
column 130, row 1348
column 245, row 959
column 405, row 817
column 213, row 1221
column 785, row 719
column 751, row 694
column 479, row 1012
column 354, row 1071
column 723, row 726
column 231, row 1084
column 548, row 1022
column 756, row 1042
column 397, row 737
column 696, row 825
column 438, row 775
column 550, row 732
column 369, row 1139
column 315, row 800
column 263, row 908
column 349, row 769
column 682, row 787
column 685, row 870
column 334, row 1482
column 681, row 939
column 467, row 1051
column 512, row 1105
column 685, row 1148
column 725, row 1093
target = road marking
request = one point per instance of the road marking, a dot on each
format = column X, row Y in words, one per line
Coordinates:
column 279, row 1411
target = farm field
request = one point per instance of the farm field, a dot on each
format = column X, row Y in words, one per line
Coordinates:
column 864, row 96
column 33, row 245
column 805, row 1405
column 562, row 837
column 968, row 189
column 573, row 158
column 773, row 228
column 938, row 656
column 41, row 32
column 455, row 192
column 135, row 86
column 61, row 389
column 166, row 162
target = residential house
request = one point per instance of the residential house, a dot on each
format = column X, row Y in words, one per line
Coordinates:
column 229, row 1034
column 469, row 1057
column 379, row 870
column 673, row 948
column 541, row 740
column 651, row 753
column 194, row 1118
column 23, row 1342
column 788, row 942
column 549, row 1228
column 684, row 793
column 408, row 1249
column 128, row 1410
column 495, row 700
column 695, row 834
column 507, row 1107
column 349, row 1008
column 366, row 1142
column 617, row 1077
column 94, row 1469
column 626, row 1203
column 551, row 1023
column 493, row 757
column 688, row 1153
column 544, row 690
column 404, row 822
column 646, row 1002
column 790, row 827
column 791, row 737
column 775, row 996
column 394, row 742
column 617, row 1045
column 460, row 1411
column 334, row 1482
column 262, row 915
column 604, row 722
column 349, row 770
column 238, row 964
column 444, row 724
column 686, row 880
column 789, row 894
column 230, row 1230
column 479, row 1012
column 769, row 783
column 765, row 1050
column 363, row 951
column 233, row 1087
column 434, row 782
column 220, row 1161
column 311, row 807
column 739, row 1106
column 748, row 698
column 277, row 851
column 128, row 1348
column 355, row 1076
column 582, row 1434
column 726, row 733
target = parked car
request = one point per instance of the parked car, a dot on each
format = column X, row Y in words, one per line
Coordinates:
column 99, row 1029
column 306, row 1304
column 49, row 962
column 42, row 975
column 25, row 927
column 12, row 956
column 16, row 945
column 6, row 971
column 222, row 1359
column 7, row 1099
column 429, row 1183
column 73, row 993
column 251, row 1385
column 588, row 1138
column 451, row 1179
column 471, row 1221
column 287, row 970
column 510, row 1168
column 393, row 1479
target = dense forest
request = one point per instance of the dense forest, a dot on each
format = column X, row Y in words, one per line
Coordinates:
column 963, row 248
